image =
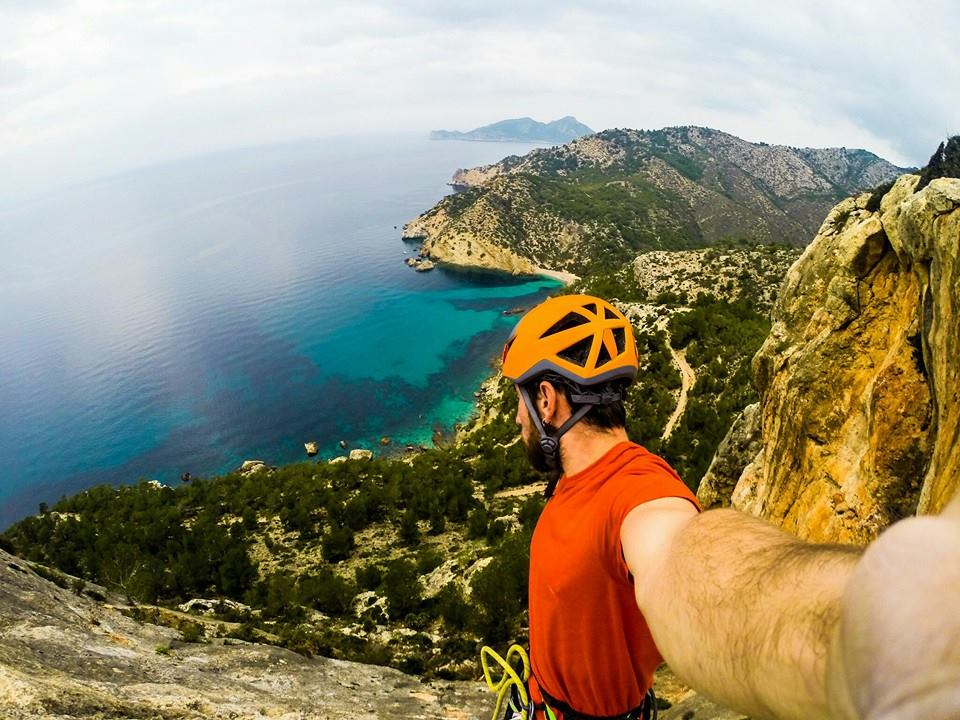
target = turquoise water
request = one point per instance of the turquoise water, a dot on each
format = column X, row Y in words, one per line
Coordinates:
column 190, row 316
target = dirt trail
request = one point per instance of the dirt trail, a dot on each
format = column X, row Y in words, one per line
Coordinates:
column 521, row 491
column 687, row 379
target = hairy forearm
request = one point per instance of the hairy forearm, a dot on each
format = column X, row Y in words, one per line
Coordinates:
column 745, row 612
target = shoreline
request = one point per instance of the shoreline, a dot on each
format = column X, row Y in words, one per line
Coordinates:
column 567, row 278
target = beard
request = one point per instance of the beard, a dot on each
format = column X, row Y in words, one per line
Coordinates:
column 537, row 457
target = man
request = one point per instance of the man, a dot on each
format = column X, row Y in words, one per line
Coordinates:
column 624, row 567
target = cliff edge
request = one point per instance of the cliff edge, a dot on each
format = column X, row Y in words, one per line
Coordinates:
column 65, row 655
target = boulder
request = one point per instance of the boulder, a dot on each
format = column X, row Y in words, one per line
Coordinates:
column 361, row 454
column 385, row 440
column 249, row 467
column 311, row 448
column 425, row 266
column 205, row 606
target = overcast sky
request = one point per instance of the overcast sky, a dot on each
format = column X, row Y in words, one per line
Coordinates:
column 96, row 86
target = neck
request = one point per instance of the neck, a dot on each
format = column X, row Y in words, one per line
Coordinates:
column 582, row 446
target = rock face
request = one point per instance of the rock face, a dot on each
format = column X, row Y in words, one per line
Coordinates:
column 737, row 449
column 67, row 656
column 859, row 379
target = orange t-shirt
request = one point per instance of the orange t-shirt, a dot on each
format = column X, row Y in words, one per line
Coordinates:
column 589, row 645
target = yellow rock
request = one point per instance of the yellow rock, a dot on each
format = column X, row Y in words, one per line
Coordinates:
column 859, row 379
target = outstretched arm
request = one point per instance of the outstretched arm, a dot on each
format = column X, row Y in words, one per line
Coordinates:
column 740, row 610
column 749, row 615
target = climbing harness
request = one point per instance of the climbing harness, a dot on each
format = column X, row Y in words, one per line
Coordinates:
column 512, row 689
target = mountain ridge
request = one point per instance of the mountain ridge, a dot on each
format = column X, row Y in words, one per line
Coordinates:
column 622, row 191
column 524, row 129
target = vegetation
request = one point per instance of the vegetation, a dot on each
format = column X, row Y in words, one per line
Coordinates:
column 945, row 162
column 720, row 339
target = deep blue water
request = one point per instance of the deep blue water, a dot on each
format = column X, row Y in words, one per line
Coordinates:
column 190, row 316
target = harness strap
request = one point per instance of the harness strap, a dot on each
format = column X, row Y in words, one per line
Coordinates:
column 647, row 710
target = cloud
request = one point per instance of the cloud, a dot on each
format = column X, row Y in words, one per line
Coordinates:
column 100, row 84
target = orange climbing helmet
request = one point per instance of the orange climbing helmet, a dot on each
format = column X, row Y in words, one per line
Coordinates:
column 580, row 337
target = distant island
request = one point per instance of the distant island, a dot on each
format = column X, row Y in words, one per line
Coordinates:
column 520, row 130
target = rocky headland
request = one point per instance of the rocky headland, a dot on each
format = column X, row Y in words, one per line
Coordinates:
column 602, row 199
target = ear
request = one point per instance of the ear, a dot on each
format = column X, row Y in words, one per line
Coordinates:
column 547, row 398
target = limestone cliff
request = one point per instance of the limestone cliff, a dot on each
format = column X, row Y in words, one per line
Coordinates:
column 859, row 382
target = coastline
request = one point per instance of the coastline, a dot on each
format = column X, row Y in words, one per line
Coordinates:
column 567, row 278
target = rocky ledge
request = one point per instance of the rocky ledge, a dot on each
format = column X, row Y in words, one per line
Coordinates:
column 67, row 655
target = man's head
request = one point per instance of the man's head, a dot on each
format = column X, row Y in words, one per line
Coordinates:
column 570, row 357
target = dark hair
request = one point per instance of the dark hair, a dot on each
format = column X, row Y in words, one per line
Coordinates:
column 603, row 417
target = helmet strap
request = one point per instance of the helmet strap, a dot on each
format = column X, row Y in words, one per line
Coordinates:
column 550, row 443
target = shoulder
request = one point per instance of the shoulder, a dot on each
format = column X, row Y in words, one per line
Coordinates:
column 642, row 477
column 648, row 531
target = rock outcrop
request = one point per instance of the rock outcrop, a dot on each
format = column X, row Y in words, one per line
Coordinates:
column 737, row 449
column 64, row 655
column 859, row 380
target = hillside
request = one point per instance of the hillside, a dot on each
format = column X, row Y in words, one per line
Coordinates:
column 410, row 562
column 523, row 129
column 846, row 421
column 598, row 201
column 65, row 654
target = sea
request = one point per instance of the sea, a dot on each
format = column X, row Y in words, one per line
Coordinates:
column 189, row 316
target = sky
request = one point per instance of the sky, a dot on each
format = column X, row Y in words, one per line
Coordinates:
column 94, row 87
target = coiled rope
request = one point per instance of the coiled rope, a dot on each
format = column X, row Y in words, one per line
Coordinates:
column 509, row 679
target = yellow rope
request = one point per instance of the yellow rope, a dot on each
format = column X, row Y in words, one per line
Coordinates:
column 509, row 679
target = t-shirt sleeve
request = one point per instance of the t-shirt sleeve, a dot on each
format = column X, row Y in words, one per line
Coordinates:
column 652, row 480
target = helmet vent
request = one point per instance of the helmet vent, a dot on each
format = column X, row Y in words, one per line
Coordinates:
column 604, row 356
column 619, row 337
column 568, row 321
column 578, row 352
column 591, row 308
column 609, row 314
